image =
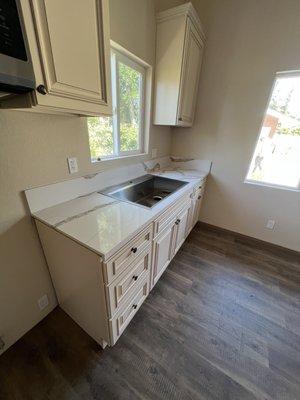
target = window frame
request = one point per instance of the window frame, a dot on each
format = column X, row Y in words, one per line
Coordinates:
column 278, row 75
column 120, row 55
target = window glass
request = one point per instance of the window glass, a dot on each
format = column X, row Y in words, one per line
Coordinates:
column 276, row 158
column 130, row 81
column 101, row 136
column 122, row 134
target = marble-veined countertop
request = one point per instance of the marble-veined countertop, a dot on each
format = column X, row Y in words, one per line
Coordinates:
column 104, row 224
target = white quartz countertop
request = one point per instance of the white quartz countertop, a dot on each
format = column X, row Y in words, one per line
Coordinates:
column 104, row 224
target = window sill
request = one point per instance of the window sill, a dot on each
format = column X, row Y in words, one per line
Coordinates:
column 272, row 186
column 95, row 161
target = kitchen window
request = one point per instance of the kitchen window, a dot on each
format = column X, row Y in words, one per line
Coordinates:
column 123, row 134
column 276, row 159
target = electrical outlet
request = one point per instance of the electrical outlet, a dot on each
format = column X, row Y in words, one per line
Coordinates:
column 270, row 224
column 154, row 153
column 43, row 302
column 73, row 166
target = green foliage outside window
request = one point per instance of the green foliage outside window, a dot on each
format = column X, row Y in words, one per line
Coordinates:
column 101, row 135
column 129, row 100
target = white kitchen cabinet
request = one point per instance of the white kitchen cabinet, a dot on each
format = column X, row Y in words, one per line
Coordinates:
column 179, row 51
column 163, row 252
column 181, row 228
column 169, row 240
column 69, row 44
column 102, row 307
column 124, row 285
column 125, row 315
column 196, row 203
column 103, row 293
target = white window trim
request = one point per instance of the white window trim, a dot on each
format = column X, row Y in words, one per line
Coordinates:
column 118, row 53
column 261, row 183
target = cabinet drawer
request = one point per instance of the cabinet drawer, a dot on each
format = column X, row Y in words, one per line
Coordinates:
column 125, row 285
column 125, row 315
column 198, row 190
column 197, row 194
column 170, row 215
column 129, row 253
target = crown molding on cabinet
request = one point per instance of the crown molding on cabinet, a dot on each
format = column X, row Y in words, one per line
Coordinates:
column 185, row 9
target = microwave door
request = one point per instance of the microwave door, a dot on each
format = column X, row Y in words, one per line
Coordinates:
column 16, row 72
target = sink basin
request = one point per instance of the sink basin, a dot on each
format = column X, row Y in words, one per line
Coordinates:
column 147, row 190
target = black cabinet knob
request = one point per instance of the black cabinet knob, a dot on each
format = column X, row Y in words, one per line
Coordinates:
column 134, row 306
column 135, row 277
column 41, row 89
column 134, row 249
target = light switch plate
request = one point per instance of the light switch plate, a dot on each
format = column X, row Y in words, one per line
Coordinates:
column 43, row 302
column 73, row 166
column 154, row 153
column 270, row 224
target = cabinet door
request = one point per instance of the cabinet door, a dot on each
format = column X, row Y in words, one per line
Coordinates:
column 190, row 221
column 163, row 252
column 181, row 228
column 192, row 60
column 197, row 206
column 73, row 43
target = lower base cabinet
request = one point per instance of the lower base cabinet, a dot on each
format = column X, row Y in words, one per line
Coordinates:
column 162, row 252
column 103, row 296
column 125, row 315
column 169, row 241
column 194, row 210
column 181, row 228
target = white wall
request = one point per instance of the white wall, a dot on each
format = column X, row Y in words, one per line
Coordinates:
column 248, row 41
column 33, row 151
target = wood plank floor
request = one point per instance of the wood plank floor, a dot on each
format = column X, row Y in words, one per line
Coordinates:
column 222, row 323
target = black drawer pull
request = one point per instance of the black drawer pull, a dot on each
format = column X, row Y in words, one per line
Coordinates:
column 135, row 277
column 134, row 249
column 134, row 306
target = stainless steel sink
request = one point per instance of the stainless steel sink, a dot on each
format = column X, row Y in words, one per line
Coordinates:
column 147, row 190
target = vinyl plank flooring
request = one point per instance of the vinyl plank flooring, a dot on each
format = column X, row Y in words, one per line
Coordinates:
column 221, row 324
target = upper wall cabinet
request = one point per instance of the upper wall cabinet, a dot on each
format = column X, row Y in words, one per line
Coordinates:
column 69, row 44
column 179, row 50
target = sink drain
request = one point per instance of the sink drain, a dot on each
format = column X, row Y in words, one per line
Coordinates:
column 157, row 198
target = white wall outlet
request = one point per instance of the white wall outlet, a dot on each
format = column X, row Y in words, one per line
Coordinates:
column 43, row 302
column 73, row 166
column 154, row 153
column 270, row 224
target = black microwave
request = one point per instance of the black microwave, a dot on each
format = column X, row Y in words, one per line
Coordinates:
column 16, row 72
